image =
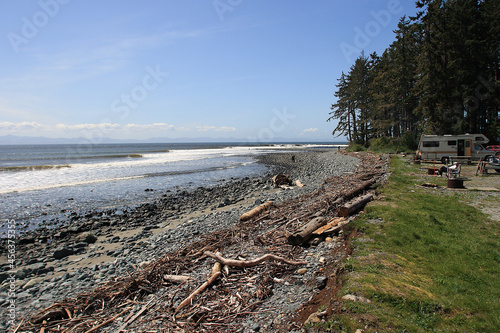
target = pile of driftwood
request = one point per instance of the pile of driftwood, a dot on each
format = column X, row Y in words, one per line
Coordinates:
column 213, row 284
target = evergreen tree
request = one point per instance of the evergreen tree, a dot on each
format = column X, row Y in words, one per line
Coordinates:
column 459, row 46
column 359, row 85
column 393, row 85
column 432, row 68
column 439, row 76
column 342, row 110
column 353, row 107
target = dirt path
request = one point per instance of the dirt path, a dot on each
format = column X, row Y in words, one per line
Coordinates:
column 485, row 191
column 481, row 191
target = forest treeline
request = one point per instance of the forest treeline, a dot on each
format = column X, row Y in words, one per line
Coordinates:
column 439, row 76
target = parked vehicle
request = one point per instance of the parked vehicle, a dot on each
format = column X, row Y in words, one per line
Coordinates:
column 493, row 163
column 444, row 148
column 495, row 148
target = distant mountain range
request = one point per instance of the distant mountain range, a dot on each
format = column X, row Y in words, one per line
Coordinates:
column 29, row 140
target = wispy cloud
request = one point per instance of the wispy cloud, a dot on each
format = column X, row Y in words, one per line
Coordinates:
column 34, row 128
column 84, row 127
column 21, row 126
column 108, row 127
column 310, row 130
column 114, row 49
column 90, row 58
column 207, row 128
column 150, row 127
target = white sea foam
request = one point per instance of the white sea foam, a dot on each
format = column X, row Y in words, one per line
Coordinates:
column 174, row 161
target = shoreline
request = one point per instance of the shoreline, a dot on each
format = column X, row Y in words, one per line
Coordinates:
column 67, row 216
column 95, row 249
column 54, row 204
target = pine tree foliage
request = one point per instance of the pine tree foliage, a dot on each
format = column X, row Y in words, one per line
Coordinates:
column 439, row 76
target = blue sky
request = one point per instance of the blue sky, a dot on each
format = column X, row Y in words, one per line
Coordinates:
column 247, row 69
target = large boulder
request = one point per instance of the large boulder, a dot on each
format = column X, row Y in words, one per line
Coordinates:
column 86, row 237
column 38, row 267
column 62, row 252
column 28, row 239
column 4, row 276
column 30, row 284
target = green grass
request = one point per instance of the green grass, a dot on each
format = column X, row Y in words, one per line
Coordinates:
column 433, row 264
column 353, row 147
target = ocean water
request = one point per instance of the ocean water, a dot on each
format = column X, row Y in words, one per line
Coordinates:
column 40, row 184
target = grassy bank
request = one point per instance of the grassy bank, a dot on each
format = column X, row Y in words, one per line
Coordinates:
column 425, row 260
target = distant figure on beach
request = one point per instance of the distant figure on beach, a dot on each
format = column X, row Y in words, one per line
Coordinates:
column 454, row 170
column 444, row 169
column 293, row 158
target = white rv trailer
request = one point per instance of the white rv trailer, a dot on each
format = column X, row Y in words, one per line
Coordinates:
column 444, row 148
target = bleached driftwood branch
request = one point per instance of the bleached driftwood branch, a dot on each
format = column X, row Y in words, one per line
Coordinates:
column 216, row 272
column 256, row 211
column 177, row 278
column 251, row 263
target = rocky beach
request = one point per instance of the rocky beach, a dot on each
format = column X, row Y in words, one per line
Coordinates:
column 98, row 248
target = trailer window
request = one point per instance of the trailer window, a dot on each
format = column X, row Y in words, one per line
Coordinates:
column 479, row 138
column 452, row 143
column 431, row 144
column 467, row 144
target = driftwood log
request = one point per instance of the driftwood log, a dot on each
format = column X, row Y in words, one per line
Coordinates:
column 355, row 205
column 299, row 183
column 328, row 226
column 256, row 211
column 216, row 272
column 333, row 230
column 303, row 234
column 56, row 311
column 353, row 192
column 359, row 189
column 280, row 179
column 251, row 263
column 177, row 278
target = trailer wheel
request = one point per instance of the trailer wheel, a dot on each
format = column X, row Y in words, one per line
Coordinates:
column 445, row 160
